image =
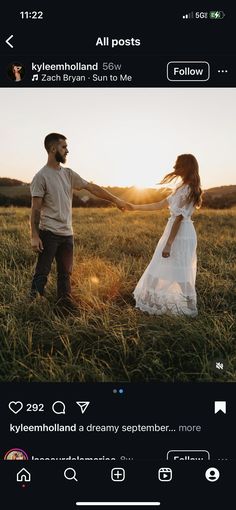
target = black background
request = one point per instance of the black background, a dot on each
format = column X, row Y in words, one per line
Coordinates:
column 69, row 31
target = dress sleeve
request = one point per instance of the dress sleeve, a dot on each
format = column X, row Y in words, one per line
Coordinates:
column 77, row 181
column 38, row 186
column 178, row 202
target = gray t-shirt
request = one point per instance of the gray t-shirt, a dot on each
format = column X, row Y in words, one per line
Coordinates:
column 56, row 188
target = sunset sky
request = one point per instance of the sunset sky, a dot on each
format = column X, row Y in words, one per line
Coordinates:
column 121, row 137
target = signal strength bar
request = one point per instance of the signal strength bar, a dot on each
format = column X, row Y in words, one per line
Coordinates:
column 190, row 15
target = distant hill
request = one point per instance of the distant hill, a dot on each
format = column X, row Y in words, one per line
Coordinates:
column 222, row 190
column 15, row 192
column 6, row 181
column 220, row 198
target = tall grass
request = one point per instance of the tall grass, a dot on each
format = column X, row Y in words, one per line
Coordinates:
column 110, row 340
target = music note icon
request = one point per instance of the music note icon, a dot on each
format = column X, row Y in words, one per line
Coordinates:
column 35, row 77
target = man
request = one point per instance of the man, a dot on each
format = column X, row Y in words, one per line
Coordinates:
column 51, row 218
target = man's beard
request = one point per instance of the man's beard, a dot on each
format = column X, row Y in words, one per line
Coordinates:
column 59, row 158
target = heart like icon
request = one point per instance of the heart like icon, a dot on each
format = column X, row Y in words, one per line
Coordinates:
column 15, row 407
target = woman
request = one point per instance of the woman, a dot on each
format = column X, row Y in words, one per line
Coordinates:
column 168, row 283
column 16, row 70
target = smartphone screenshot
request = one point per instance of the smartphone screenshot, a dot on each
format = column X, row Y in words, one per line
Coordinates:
column 117, row 256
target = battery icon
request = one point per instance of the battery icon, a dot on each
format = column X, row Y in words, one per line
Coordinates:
column 216, row 14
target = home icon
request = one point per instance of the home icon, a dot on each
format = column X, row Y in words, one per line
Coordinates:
column 23, row 476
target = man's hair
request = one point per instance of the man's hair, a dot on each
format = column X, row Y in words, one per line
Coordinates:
column 51, row 139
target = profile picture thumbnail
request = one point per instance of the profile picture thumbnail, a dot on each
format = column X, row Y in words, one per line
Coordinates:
column 16, row 454
column 16, row 71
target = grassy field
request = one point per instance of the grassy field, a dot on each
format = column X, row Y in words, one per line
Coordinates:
column 110, row 340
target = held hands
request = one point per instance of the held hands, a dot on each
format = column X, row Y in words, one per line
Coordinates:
column 124, row 206
column 128, row 206
column 36, row 244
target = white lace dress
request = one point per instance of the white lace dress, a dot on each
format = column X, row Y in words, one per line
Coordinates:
column 168, row 284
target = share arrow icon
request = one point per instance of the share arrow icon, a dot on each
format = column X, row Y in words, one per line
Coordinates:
column 83, row 406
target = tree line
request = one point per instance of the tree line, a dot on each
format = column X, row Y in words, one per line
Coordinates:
column 209, row 201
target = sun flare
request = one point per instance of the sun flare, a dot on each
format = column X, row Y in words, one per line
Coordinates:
column 140, row 188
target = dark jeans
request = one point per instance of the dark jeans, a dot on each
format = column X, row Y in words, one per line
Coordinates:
column 60, row 247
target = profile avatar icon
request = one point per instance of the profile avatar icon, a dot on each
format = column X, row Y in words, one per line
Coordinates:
column 16, row 71
column 16, row 454
column 212, row 474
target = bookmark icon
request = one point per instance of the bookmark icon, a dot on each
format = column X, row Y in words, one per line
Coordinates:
column 220, row 405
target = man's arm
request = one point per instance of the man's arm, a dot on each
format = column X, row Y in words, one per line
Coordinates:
column 36, row 206
column 105, row 195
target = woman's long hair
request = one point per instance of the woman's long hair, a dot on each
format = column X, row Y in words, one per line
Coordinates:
column 186, row 167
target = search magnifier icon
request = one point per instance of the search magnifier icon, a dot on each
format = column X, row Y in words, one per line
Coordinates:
column 70, row 474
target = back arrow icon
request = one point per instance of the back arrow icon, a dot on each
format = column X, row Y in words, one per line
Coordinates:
column 7, row 41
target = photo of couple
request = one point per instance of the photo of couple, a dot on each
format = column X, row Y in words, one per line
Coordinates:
column 117, row 254
column 168, row 283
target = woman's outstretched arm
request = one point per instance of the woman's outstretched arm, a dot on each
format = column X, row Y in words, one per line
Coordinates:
column 151, row 207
